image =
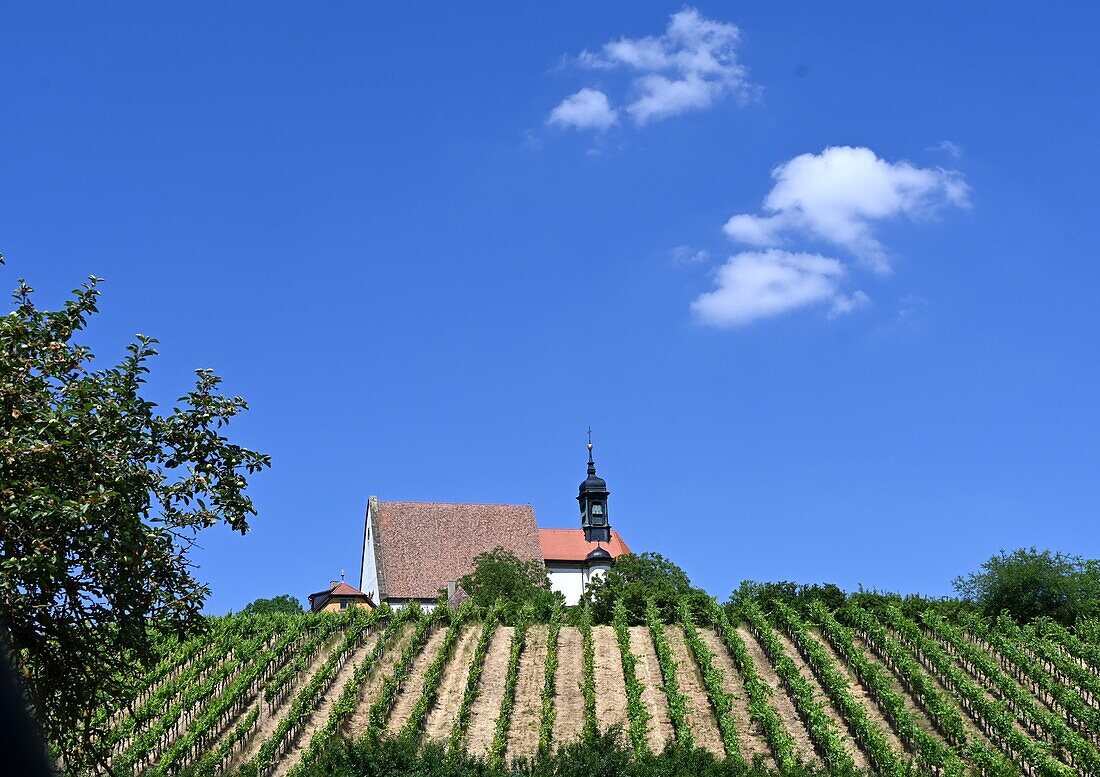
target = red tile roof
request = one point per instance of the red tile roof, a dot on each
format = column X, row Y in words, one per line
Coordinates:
column 421, row 546
column 569, row 545
column 321, row 598
column 343, row 589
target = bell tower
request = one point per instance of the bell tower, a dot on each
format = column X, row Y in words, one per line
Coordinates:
column 593, row 501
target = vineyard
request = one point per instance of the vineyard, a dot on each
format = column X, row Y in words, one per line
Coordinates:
column 850, row 690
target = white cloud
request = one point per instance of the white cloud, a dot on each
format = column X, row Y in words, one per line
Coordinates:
column 691, row 66
column 683, row 255
column 757, row 284
column 839, row 194
column 586, row 109
column 842, row 305
column 954, row 149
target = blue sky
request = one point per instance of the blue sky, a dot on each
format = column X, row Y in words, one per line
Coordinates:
column 822, row 280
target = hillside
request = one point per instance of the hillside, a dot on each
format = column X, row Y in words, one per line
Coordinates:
column 842, row 690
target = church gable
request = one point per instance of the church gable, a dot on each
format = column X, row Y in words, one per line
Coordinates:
column 419, row 547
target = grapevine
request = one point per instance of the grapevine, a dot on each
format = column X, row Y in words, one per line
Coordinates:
column 546, row 724
column 713, row 680
column 677, row 703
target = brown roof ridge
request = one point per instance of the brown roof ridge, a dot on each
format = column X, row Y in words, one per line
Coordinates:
column 463, row 504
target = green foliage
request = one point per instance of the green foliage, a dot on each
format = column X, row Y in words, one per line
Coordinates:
column 604, row 755
column 1088, row 629
column 283, row 604
column 912, row 605
column 793, row 594
column 1028, row 584
column 102, row 497
column 499, row 576
column 639, row 579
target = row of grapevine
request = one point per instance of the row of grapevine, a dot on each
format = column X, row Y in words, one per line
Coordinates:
column 991, row 716
column 588, row 680
column 1040, row 722
column 1017, row 657
column 414, row 727
column 780, row 742
column 304, row 703
column 929, row 751
column 348, row 700
column 865, row 731
column 713, row 681
column 550, row 671
column 677, row 702
column 504, row 715
column 636, row 711
column 822, row 730
column 146, row 748
column 473, row 680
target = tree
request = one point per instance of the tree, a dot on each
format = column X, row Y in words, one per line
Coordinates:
column 501, row 575
column 102, row 497
column 283, row 604
column 635, row 579
column 1026, row 584
column 795, row 594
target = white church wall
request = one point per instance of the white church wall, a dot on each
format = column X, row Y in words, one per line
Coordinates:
column 368, row 577
column 569, row 581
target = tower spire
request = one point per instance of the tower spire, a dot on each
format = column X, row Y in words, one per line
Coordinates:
column 593, row 501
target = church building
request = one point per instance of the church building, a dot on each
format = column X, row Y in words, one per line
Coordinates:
column 414, row 550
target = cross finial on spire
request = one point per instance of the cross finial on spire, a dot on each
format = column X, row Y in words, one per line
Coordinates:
column 591, row 463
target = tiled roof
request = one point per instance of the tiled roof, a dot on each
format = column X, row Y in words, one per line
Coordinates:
column 421, row 546
column 569, row 545
column 321, row 598
column 343, row 589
